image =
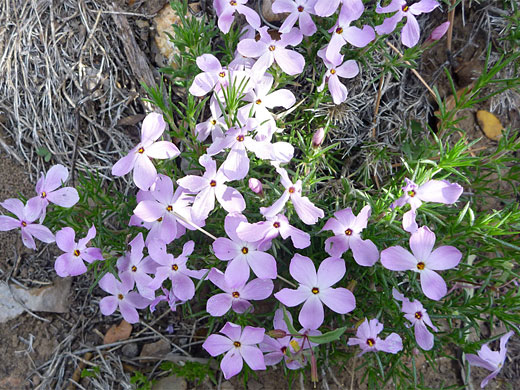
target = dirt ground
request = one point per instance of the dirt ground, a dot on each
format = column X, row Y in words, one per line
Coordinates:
column 44, row 350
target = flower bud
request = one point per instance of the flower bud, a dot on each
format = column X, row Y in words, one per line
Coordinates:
column 317, row 138
column 255, row 185
column 277, row 333
column 438, row 32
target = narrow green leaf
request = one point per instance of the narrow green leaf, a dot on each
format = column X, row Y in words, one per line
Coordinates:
column 328, row 337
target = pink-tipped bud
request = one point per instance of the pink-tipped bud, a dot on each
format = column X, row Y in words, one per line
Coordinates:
column 277, row 333
column 438, row 32
column 255, row 185
column 317, row 138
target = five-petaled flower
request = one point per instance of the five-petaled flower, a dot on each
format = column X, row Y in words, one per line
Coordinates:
column 368, row 340
column 423, row 260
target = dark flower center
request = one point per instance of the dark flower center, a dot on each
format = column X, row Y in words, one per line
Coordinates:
column 141, row 150
column 283, row 349
column 24, row 224
column 120, row 296
column 169, row 208
column 259, row 101
column 44, row 195
column 235, row 294
column 223, row 74
column 291, row 190
column 348, row 232
column 212, row 183
column 371, row 342
column 300, row 8
column 233, row 3
column 420, row 265
column 405, row 8
column 418, row 315
column 134, row 268
column 175, row 267
column 240, row 138
column 411, row 193
column 237, row 344
column 272, row 47
column 339, row 30
column 333, row 71
column 159, row 219
column 213, row 122
column 245, row 250
column 315, row 290
column 276, row 225
column 76, row 252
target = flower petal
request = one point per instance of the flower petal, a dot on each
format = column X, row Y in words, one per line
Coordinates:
column 433, row 285
column 311, row 316
column 364, row 251
column 217, row 344
column 423, row 336
column 338, row 299
column 290, row 297
column 397, row 258
column 330, row 271
column 302, row 269
column 421, row 243
column 444, row 257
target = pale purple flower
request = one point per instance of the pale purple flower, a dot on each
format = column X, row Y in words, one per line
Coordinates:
column 315, row 290
column 287, row 347
column 138, row 158
column 255, row 185
column 347, row 229
column 239, row 345
column 343, row 32
column 243, row 255
column 423, row 260
column 215, row 125
column 225, row 10
column 438, row 32
column 411, row 31
column 167, row 207
column 264, row 232
column 72, row 263
column 299, row 10
column 268, row 50
column 210, row 186
column 175, row 269
column 47, row 191
column 368, row 340
column 318, row 137
column 308, row 213
column 335, row 70
column 167, row 296
column 138, row 268
column 326, row 7
column 439, row 191
column 213, row 74
column 236, row 298
column 25, row 217
column 121, row 297
column 490, row 360
column 419, row 319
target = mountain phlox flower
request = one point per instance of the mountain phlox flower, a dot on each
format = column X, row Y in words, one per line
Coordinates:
column 215, row 125
column 48, row 192
column 347, row 229
column 139, row 156
column 167, row 207
column 175, row 269
column 159, row 228
column 490, row 360
column 299, row 10
column 213, row 75
column 167, row 296
column 336, row 69
column 343, row 32
column 261, row 99
column 439, row 191
column 210, row 186
column 242, row 255
column 265, row 231
column 419, row 319
column 72, row 263
column 138, row 268
column 411, row 31
column 268, row 50
column 308, row 213
column 315, row 290
column 438, row 32
column 226, row 9
column 255, row 185
column 122, row 297
column 423, row 260
column 236, row 298
column 25, row 217
column 238, row 345
column 368, row 340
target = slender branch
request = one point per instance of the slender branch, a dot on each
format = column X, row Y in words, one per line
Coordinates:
column 194, row 226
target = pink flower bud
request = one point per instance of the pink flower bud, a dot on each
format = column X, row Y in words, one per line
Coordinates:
column 277, row 333
column 255, row 185
column 438, row 32
column 317, row 138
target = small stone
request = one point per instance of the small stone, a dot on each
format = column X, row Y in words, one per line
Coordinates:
column 490, row 125
column 130, row 350
column 269, row 15
column 158, row 349
column 227, row 386
column 171, row 383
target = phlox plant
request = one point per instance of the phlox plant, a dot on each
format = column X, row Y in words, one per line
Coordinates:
column 232, row 189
